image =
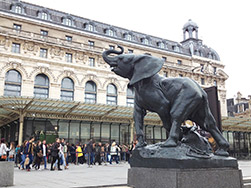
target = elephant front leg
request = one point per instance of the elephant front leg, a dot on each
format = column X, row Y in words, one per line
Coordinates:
column 174, row 135
column 138, row 115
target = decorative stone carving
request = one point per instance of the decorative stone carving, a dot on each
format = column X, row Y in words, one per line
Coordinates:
column 79, row 56
column 14, row 65
column 91, row 77
column 5, row 42
column 30, row 47
column 56, row 53
column 70, row 74
column 44, row 70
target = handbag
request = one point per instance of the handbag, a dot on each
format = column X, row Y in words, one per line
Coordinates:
column 3, row 157
column 39, row 154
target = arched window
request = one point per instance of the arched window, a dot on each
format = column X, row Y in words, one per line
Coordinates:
column 90, row 92
column 161, row 45
column 145, row 41
column 110, row 32
column 44, row 16
column 111, row 94
column 130, row 97
column 67, row 21
column 18, row 9
column 41, row 87
column 67, row 89
column 13, row 81
column 128, row 36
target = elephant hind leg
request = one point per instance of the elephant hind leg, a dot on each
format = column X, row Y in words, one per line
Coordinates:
column 207, row 122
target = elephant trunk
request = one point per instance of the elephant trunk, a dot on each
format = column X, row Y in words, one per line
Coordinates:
column 106, row 54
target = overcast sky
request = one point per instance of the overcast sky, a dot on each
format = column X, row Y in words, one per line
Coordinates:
column 224, row 25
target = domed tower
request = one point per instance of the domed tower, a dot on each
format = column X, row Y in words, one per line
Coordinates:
column 190, row 27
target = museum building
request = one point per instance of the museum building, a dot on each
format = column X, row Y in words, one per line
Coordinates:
column 54, row 82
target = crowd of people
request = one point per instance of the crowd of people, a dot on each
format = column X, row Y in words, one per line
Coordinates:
column 31, row 154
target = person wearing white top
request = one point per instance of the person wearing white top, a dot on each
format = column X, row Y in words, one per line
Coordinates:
column 3, row 149
column 44, row 151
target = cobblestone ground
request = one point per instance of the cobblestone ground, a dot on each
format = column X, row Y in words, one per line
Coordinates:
column 83, row 176
column 75, row 176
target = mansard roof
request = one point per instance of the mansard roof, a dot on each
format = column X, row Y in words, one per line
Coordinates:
column 78, row 23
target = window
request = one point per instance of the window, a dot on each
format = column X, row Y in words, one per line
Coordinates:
column 110, row 32
column 44, row 16
column 43, row 52
column 90, row 92
column 68, row 21
column 44, row 33
column 91, row 43
column 130, row 51
column 91, row 61
column 41, row 87
column 111, row 95
column 68, row 57
column 130, row 97
column 164, row 58
column 111, row 47
column 176, row 48
column 67, row 89
column 89, row 27
column 179, row 62
column 215, row 70
column 165, row 74
column 15, row 48
column 18, row 9
column 128, row 37
column 12, row 86
column 68, row 38
column 145, row 41
column 202, row 68
column 161, row 45
column 17, row 27
column 202, row 80
column 215, row 83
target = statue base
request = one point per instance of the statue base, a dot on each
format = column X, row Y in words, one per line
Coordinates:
column 184, row 178
column 184, row 166
column 181, row 157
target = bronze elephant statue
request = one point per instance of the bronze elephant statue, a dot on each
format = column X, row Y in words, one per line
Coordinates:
column 173, row 99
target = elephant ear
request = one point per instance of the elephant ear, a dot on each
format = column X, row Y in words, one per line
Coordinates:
column 145, row 66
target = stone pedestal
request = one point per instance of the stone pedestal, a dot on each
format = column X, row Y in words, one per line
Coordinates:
column 184, row 178
column 6, row 173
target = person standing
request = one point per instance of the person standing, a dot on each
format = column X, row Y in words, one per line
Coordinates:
column 22, row 154
column 89, row 149
column 114, row 152
column 98, row 153
column 44, row 151
column 79, row 153
column 11, row 152
column 29, row 152
column 55, row 154
column 61, row 155
column 65, row 151
column 3, row 150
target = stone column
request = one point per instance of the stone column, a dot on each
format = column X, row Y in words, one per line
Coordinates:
column 21, row 126
column 131, row 131
column 27, row 88
column 2, row 86
column 54, row 91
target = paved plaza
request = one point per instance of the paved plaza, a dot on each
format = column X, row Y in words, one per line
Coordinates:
column 83, row 176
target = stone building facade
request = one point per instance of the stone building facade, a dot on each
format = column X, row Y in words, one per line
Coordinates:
column 56, row 55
